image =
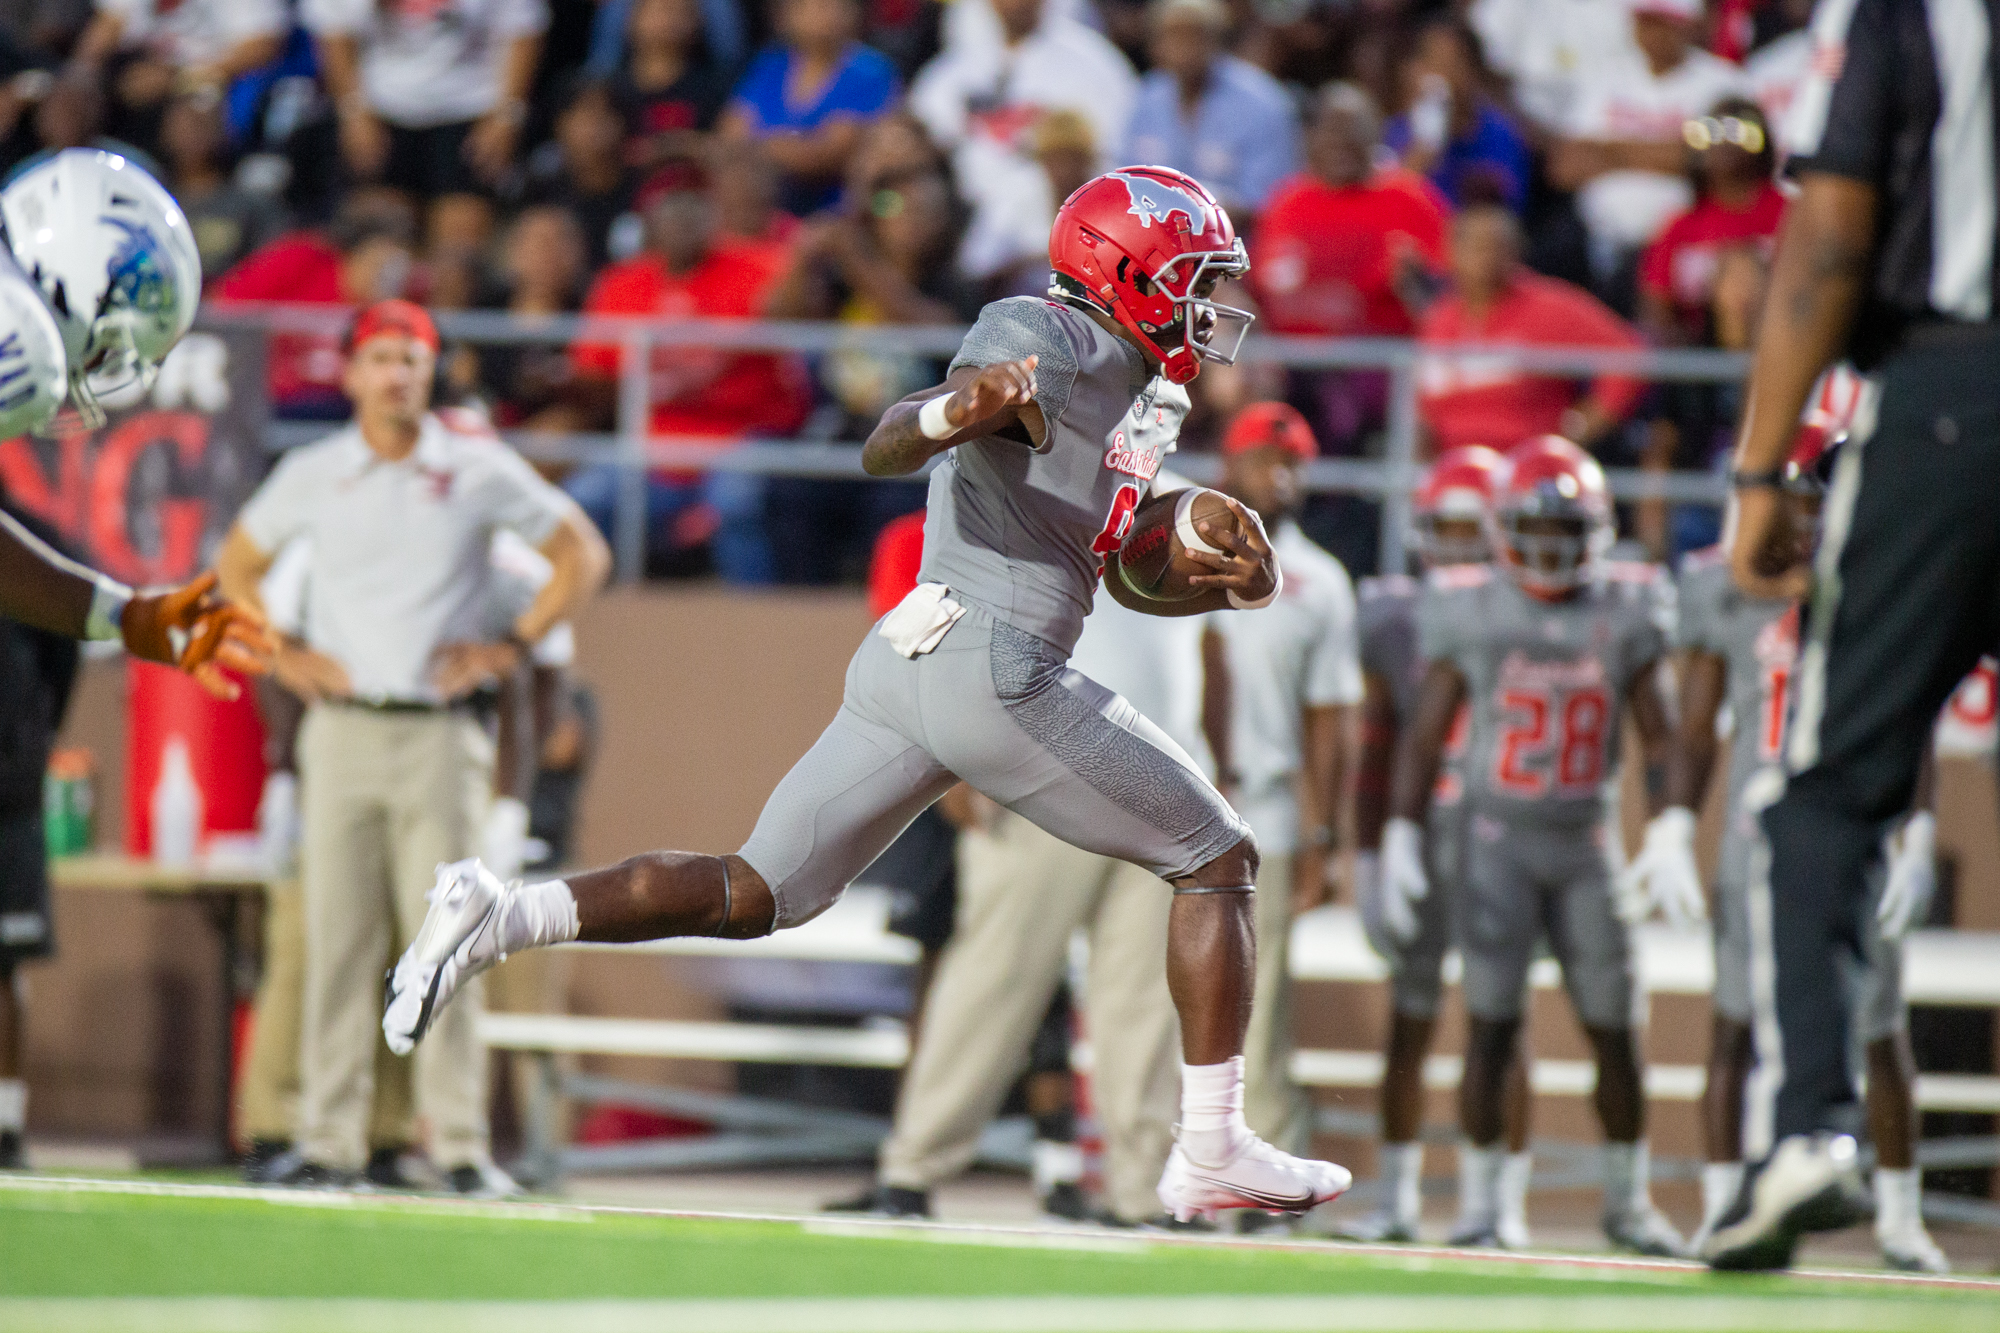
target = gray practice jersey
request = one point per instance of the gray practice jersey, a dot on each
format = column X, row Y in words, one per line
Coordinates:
column 1546, row 682
column 1391, row 649
column 1024, row 531
column 1758, row 638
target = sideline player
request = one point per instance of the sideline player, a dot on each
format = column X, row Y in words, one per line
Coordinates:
column 1738, row 649
column 1451, row 524
column 1055, row 416
column 1550, row 654
column 1295, row 678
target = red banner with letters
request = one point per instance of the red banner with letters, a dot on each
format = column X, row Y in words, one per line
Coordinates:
column 149, row 497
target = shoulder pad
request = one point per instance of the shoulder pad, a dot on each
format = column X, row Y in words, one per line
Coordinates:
column 1451, row 578
column 1632, row 571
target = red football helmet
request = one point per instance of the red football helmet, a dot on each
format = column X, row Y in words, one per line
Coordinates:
column 1458, row 488
column 1551, row 515
column 1146, row 245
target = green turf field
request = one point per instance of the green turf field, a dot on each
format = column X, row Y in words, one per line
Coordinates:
column 111, row 1257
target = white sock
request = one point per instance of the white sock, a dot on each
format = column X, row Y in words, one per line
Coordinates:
column 1403, row 1182
column 1212, row 1126
column 1720, row 1183
column 13, row 1105
column 1898, row 1201
column 1479, row 1184
column 1628, row 1171
column 1516, row 1170
column 536, row 915
column 1052, row 1164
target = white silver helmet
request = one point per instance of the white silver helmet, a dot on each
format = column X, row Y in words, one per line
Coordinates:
column 34, row 368
column 115, row 260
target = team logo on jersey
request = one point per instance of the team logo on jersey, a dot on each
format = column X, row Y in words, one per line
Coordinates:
column 1518, row 671
column 1122, row 457
column 1153, row 201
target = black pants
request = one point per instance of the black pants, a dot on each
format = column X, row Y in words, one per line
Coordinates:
column 1906, row 597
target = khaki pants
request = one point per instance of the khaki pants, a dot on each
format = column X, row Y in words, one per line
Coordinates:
column 1277, row 1108
column 1021, row 895
column 267, row 1093
column 385, row 797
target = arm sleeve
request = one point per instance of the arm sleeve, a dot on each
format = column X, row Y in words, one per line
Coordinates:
column 1333, row 674
column 1839, row 120
column 1694, row 618
column 517, row 499
column 1440, row 624
column 1653, row 622
column 278, row 511
column 1020, row 327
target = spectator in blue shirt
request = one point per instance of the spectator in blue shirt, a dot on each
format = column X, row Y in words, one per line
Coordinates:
column 1211, row 114
column 807, row 98
column 1451, row 131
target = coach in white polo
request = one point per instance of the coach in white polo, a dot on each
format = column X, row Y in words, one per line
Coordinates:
column 1295, row 677
column 395, row 772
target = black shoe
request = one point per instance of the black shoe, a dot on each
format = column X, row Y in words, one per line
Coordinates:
column 293, row 1171
column 257, row 1161
column 385, row 1171
column 1809, row 1184
column 481, row 1180
column 885, row 1201
column 1066, row 1200
column 13, row 1156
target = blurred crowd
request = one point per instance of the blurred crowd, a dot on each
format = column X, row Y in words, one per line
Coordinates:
column 1559, row 171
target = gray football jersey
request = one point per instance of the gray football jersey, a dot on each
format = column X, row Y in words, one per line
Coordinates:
column 1758, row 638
column 1546, row 682
column 1391, row 648
column 1024, row 531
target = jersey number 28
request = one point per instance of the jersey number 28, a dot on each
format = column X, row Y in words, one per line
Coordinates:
column 1528, row 743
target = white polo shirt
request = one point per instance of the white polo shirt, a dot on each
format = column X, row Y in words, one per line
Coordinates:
column 401, row 559
column 1302, row 651
column 194, row 32
column 428, row 62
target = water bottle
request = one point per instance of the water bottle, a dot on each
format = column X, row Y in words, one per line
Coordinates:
column 176, row 807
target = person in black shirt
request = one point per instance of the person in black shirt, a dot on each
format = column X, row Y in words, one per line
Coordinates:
column 583, row 169
column 669, row 88
column 1886, row 256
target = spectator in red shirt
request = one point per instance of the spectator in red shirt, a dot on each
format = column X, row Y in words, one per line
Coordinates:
column 697, row 393
column 1496, row 300
column 363, row 256
column 1342, row 249
column 1739, row 205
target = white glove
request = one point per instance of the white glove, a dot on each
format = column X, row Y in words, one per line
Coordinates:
column 1663, row 877
column 278, row 823
column 1404, row 883
column 503, row 843
column 1906, row 897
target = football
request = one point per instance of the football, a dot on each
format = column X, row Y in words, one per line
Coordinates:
column 1153, row 559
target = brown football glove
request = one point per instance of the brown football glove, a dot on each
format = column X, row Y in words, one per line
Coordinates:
column 191, row 628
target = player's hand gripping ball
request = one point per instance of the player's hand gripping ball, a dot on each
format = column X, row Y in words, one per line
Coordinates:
column 1157, row 558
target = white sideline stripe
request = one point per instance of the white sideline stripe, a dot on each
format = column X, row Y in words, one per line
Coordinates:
column 1002, row 1314
column 1585, row 1267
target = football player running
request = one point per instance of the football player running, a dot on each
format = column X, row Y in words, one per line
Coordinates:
column 1053, row 419
column 1550, row 653
column 1739, row 650
column 1451, row 512
column 101, row 280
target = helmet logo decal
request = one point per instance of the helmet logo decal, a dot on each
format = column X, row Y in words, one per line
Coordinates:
column 138, row 280
column 1156, row 201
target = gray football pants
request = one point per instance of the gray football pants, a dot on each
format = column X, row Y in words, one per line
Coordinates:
column 1022, row 894
column 1000, row 709
column 1524, row 883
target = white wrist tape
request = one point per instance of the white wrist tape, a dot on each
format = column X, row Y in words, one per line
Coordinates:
column 107, row 610
column 931, row 419
column 1244, row 604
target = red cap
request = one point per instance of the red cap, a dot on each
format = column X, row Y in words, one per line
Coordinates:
column 671, row 177
column 392, row 316
column 1264, row 424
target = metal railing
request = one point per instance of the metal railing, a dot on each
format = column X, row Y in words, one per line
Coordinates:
column 1392, row 478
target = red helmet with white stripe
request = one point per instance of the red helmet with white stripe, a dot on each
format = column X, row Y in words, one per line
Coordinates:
column 1551, row 515
column 1456, row 491
column 1146, row 245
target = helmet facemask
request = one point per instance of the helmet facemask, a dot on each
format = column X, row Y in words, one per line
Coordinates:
column 1551, row 539
column 111, row 374
column 1453, row 532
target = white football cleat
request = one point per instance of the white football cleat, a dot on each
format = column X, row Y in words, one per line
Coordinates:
column 1259, row 1176
column 1913, row 1252
column 457, row 942
column 1644, row 1229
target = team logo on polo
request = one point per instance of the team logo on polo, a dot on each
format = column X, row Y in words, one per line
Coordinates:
column 1153, row 201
